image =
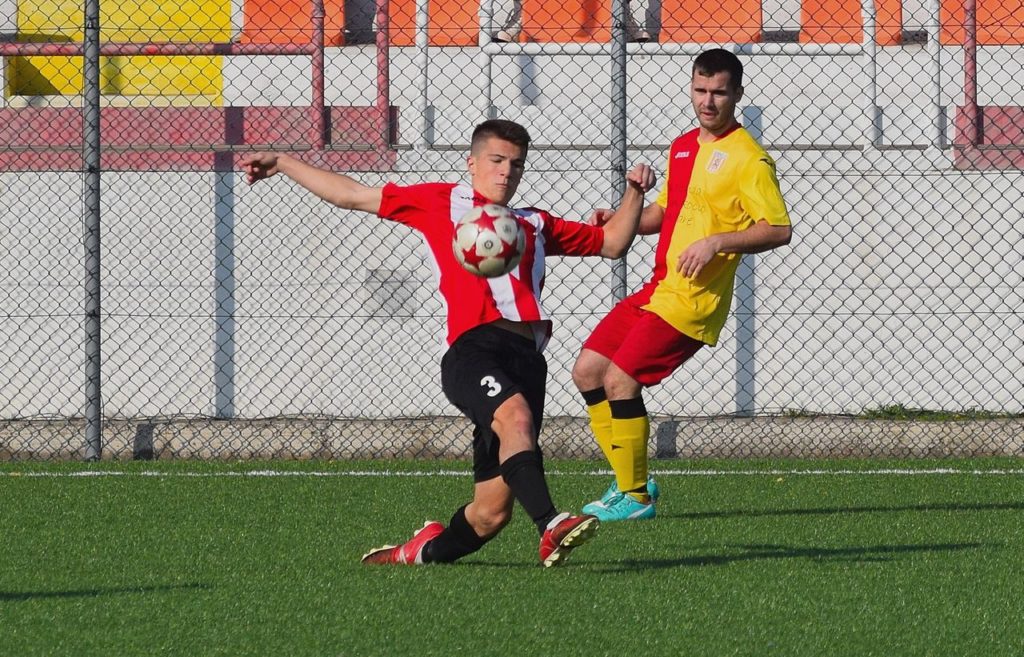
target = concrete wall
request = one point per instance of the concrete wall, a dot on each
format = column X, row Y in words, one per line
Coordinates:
column 8, row 17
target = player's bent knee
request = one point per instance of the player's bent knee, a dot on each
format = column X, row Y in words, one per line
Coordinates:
column 507, row 430
column 582, row 377
column 619, row 385
column 512, row 418
column 589, row 370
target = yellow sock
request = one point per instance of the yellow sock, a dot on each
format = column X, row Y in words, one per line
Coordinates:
column 601, row 424
column 628, row 452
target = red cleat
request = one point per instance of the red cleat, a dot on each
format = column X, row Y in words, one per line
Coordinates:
column 410, row 552
column 564, row 533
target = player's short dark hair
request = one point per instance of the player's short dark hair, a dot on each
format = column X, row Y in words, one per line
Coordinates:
column 509, row 131
column 717, row 60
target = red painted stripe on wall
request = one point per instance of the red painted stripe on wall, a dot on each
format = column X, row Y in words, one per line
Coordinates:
column 191, row 126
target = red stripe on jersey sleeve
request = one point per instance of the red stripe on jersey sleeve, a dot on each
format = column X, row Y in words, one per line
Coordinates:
column 570, row 238
column 411, row 205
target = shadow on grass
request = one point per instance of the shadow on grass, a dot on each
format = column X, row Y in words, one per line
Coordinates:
column 755, row 552
column 745, row 513
column 21, row 596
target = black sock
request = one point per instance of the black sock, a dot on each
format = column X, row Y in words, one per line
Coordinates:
column 456, row 541
column 524, row 474
column 595, row 396
column 626, row 409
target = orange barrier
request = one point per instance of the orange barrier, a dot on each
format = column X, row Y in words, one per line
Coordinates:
column 452, row 23
column 842, row 21
column 291, row 22
column 556, row 21
column 726, row 21
column 1000, row 22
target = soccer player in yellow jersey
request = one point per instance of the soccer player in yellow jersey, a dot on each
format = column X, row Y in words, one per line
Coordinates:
column 720, row 199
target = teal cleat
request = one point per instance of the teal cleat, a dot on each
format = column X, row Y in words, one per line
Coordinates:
column 613, row 491
column 624, row 506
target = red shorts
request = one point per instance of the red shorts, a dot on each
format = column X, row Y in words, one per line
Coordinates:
column 640, row 343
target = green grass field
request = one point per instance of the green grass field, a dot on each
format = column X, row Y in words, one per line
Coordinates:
column 745, row 558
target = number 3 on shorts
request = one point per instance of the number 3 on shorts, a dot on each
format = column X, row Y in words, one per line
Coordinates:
column 492, row 385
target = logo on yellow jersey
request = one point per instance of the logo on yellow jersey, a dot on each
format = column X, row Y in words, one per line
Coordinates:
column 716, row 161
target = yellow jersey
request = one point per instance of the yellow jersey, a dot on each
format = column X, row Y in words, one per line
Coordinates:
column 722, row 186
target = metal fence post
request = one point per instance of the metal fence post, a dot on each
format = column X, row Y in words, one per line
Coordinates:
column 91, row 229
column 617, row 143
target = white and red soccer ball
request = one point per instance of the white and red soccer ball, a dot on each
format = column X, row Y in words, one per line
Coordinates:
column 489, row 241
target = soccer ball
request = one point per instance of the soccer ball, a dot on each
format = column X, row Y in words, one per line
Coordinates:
column 489, row 241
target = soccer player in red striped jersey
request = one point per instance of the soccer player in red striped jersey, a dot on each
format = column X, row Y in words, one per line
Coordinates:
column 720, row 199
column 494, row 370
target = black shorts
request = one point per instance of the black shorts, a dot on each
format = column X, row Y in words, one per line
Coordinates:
column 484, row 367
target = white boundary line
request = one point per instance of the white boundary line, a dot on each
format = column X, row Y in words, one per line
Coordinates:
column 462, row 473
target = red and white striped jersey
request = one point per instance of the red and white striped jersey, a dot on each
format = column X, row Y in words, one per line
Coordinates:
column 433, row 209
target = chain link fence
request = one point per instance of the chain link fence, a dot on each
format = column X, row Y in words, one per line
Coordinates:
column 153, row 305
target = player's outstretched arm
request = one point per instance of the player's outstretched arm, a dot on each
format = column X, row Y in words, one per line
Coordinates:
column 650, row 219
column 620, row 228
column 336, row 188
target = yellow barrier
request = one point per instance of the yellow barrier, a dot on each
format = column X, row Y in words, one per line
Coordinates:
column 131, row 21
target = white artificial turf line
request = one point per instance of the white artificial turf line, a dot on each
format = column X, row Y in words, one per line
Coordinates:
column 460, row 473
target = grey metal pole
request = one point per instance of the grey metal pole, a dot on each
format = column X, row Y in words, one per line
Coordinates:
column 91, row 229
column 224, row 347
column 618, row 123
column 937, row 129
column 746, row 336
